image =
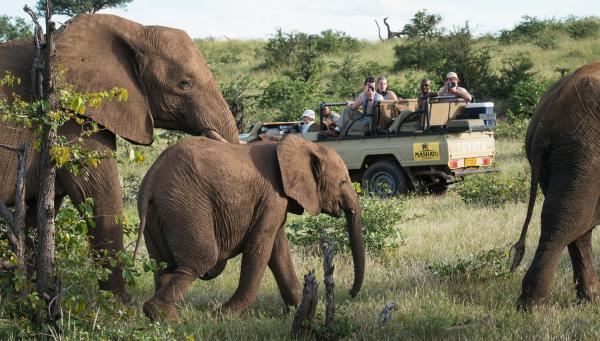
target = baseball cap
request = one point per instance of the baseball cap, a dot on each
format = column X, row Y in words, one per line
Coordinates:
column 451, row 75
column 308, row 113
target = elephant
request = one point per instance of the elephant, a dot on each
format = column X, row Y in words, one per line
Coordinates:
column 169, row 86
column 204, row 202
column 563, row 150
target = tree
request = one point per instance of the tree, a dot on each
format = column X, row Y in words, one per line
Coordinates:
column 74, row 7
column 422, row 25
column 13, row 28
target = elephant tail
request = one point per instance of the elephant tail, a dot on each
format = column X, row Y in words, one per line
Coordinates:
column 142, row 212
column 519, row 246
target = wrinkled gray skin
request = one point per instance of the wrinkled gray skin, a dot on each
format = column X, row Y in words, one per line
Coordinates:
column 204, row 202
column 169, row 86
column 563, row 148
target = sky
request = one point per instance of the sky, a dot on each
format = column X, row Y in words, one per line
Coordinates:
column 250, row 19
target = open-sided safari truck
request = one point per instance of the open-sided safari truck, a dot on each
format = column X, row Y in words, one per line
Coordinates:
column 431, row 148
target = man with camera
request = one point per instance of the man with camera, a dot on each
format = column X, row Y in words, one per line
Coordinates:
column 360, row 107
column 451, row 88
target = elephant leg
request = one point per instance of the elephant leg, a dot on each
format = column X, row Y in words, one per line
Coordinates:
column 256, row 254
column 586, row 280
column 162, row 305
column 102, row 184
column 282, row 267
column 567, row 214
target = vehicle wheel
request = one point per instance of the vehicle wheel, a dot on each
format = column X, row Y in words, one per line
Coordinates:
column 385, row 179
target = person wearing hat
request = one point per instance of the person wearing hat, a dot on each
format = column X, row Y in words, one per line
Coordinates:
column 451, row 88
column 308, row 118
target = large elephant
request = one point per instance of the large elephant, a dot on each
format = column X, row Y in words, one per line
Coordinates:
column 204, row 202
column 563, row 148
column 169, row 86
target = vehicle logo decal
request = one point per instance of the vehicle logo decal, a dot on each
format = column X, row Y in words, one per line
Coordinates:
column 426, row 151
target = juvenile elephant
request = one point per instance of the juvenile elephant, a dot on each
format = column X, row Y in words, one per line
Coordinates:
column 563, row 148
column 169, row 86
column 204, row 202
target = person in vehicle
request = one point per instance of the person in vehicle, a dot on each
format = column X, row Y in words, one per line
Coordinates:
column 426, row 92
column 308, row 119
column 451, row 88
column 362, row 104
column 331, row 120
column 382, row 89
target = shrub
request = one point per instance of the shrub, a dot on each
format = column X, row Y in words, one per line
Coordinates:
column 583, row 28
column 330, row 41
column 349, row 75
column 238, row 95
column 494, row 189
column 512, row 128
column 491, row 263
column 284, row 99
column 409, row 85
column 454, row 52
column 525, row 96
column 546, row 42
column 379, row 217
column 514, row 70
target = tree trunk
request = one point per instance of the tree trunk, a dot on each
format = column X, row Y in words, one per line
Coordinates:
column 327, row 247
column 43, row 89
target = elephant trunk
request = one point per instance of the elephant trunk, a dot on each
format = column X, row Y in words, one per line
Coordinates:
column 357, row 246
column 215, row 115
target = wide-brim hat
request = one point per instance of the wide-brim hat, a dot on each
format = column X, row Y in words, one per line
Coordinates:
column 308, row 113
column 451, row 75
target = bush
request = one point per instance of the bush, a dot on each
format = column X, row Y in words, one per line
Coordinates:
column 349, row 75
column 583, row 28
column 238, row 95
column 546, row 42
column 409, row 85
column 512, row 128
column 491, row 263
column 284, row 99
column 454, row 52
column 379, row 218
column 525, row 96
column 514, row 70
column 494, row 189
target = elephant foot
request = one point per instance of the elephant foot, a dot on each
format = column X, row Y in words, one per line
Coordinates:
column 590, row 292
column 157, row 310
column 526, row 304
column 233, row 309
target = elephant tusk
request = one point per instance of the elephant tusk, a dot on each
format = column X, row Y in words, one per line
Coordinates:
column 211, row 134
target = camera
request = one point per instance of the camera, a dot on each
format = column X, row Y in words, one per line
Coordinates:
column 371, row 88
column 451, row 85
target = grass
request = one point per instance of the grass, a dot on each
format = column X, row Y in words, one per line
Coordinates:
column 438, row 230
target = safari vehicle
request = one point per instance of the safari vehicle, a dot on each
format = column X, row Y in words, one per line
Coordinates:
column 432, row 149
column 271, row 128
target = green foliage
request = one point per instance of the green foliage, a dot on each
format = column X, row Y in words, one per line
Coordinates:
column 284, row 99
column 379, row 218
column 582, row 28
column 349, row 75
column 69, row 154
column 457, row 52
column 512, row 128
column 526, row 94
column 239, row 97
column 494, row 189
column 544, row 32
column 14, row 28
column 423, row 25
column 514, row 70
column 74, row 7
column 408, row 85
column 78, row 268
column 490, row 264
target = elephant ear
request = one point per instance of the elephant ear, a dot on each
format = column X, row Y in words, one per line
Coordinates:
column 100, row 52
column 299, row 166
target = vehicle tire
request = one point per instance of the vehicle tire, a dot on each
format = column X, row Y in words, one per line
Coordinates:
column 385, row 179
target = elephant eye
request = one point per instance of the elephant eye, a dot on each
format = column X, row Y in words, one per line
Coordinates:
column 186, row 84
